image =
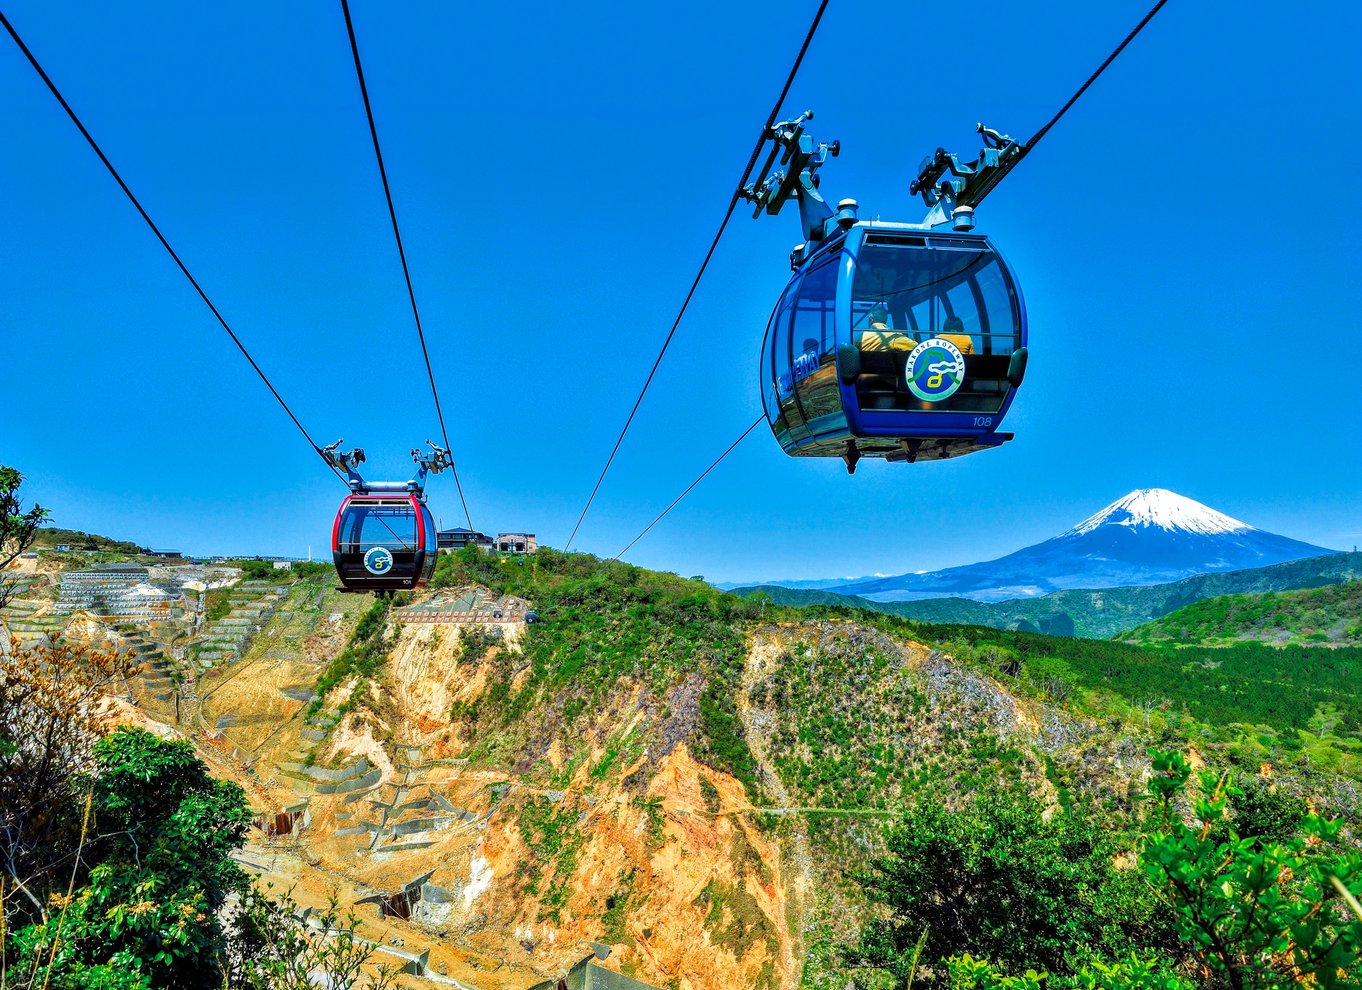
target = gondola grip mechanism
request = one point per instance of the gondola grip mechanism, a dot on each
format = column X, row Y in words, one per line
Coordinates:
column 948, row 199
column 430, row 463
column 347, row 461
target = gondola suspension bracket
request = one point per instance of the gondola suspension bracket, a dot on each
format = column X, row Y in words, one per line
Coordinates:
column 790, row 171
column 345, row 460
column 953, row 200
column 434, row 461
column 797, row 178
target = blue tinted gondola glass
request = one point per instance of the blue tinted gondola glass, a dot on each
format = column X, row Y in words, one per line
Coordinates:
column 814, row 345
column 779, row 400
column 951, row 292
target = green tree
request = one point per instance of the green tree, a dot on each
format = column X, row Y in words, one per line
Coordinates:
column 18, row 528
column 162, row 906
column 1253, row 912
column 272, row 948
column 1264, row 813
column 160, row 831
column 1248, row 912
column 997, row 879
column 1132, row 973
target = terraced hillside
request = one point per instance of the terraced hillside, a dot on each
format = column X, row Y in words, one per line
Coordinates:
column 269, row 684
column 249, row 605
column 29, row 619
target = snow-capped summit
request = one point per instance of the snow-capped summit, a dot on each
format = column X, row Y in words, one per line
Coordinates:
column 1164, row 509
column 1150, row 536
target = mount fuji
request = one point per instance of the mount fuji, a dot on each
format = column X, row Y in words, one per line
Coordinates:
column 1151, row 536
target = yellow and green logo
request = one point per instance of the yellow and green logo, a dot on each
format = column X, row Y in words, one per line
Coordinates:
column 934, row 370
column 378, row 560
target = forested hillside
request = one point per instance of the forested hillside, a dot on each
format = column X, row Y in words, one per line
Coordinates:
column 1327, row 615
column 53, row 536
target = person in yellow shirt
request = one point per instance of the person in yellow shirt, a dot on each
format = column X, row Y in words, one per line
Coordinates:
column 880, row 337
column 954, row 331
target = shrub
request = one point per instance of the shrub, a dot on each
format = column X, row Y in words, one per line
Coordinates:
column 998, row 880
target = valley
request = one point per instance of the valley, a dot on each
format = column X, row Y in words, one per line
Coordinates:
column 657, row 779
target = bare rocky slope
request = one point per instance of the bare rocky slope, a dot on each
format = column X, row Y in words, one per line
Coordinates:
column 656, row 773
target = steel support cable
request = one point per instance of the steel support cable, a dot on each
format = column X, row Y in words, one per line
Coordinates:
column 1025, row 149
column 685, row 303
column 402, row 254
column 691, row 487
column 52, row 87
column 1035, row 139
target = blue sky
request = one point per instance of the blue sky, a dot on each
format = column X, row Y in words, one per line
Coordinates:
column 1186, row 238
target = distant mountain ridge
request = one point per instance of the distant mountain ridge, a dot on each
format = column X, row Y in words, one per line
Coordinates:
column 1150, row 536
column 817, row 584
column 52, row 536
column 1095, row 613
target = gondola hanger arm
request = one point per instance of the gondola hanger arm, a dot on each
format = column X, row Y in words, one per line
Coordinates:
column 345, row 460
column 790, row 171
column 434, row 461
column 437, row 460
column 797, row 178
column 953, row 200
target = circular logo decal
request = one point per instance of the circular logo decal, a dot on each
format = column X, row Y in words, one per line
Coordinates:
column 934, row 370
column 379, row 560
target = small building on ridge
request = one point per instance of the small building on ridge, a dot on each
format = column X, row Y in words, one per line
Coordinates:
column 449, row 540
column 516, row 543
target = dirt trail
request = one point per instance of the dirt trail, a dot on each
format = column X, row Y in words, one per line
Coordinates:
column 757, row 724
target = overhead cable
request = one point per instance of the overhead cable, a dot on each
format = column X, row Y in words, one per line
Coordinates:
column 728, row 214
column 1025, row 149
column 33, row 61
column 691, row 487
column 1035, row 138
column 401, row 253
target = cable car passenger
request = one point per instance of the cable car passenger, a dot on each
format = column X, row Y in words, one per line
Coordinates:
column 880, row 337
column 952, row 291
column 954, row 331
